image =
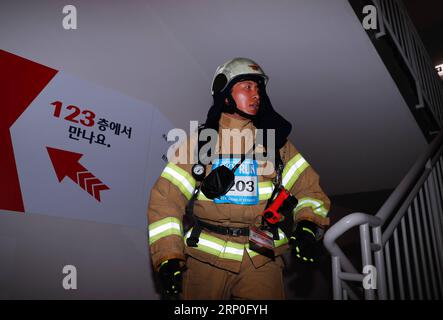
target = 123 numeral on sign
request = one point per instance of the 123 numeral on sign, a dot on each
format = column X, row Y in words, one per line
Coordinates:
column 86, row 116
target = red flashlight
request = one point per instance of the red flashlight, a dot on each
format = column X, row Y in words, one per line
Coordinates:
column 271, row 213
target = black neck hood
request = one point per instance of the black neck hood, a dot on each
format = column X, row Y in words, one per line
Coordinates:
column 266, row 118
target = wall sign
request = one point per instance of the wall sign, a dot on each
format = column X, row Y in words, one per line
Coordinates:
column 74, row 149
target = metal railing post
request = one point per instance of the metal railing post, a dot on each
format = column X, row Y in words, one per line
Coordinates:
column 394, row 21
column 399, row 264
column 389, row 271
column 415, row 255
column 422, row 248
column 379, row 264
column 336, row 281
column 428, row 229
column 380, row 19
column 408, row 264
column 365, row 241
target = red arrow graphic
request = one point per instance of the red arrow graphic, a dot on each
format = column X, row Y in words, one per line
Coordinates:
column 90, row 183
column 81, row 178
column 97, row 189
column 66, row 163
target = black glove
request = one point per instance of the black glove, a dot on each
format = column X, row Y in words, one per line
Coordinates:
column 170, row 274
column 306, row 242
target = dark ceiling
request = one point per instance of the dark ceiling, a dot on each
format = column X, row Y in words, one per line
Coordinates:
column 427, row 15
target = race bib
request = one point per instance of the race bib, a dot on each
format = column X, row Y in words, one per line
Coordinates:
column 245, row 188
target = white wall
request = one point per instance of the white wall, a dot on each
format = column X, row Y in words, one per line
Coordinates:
column 112, row 261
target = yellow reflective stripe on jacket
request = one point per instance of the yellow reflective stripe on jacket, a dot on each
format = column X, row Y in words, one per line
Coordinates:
column 180, row 178
column 227, row 249
column 163, row 228
column 293, row 169
column 265, row 189
column 218, row 247
column 202, row 197
column 316, row 205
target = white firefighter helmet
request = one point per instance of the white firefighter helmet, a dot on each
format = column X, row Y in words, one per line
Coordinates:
column 237, row 69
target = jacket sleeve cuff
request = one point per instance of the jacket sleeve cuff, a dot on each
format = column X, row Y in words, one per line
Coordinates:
column 309, row 215
column 168, row 248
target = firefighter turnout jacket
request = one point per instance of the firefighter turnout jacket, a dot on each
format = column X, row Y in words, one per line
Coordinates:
column 175, row 187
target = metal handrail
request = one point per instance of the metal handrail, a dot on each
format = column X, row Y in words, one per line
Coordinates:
column 389, row 216
column 339, row 228
column 394, row 20
column 412, row 216
column 409, row 180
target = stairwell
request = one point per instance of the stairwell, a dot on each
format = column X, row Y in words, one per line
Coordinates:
column 402, row 237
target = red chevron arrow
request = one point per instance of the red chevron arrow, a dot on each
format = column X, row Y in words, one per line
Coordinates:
column 82, row 176
column 66, row 163
column 97, row 189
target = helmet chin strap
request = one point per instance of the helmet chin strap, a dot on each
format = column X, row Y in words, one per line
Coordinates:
column 232, row 108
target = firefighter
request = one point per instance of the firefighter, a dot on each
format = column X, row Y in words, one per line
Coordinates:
column 215, row 259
